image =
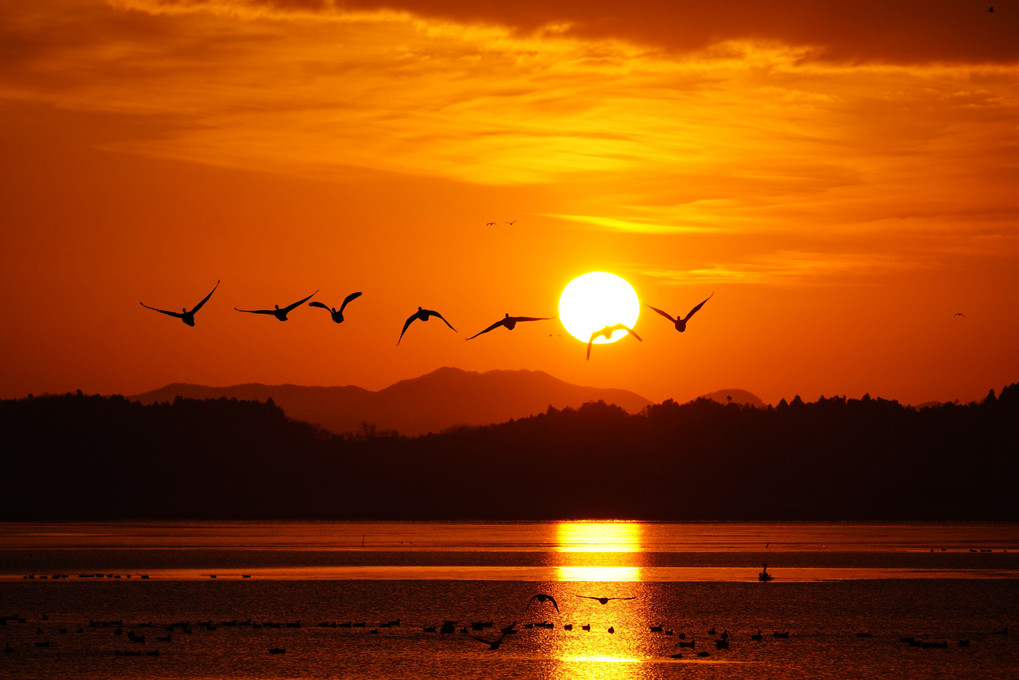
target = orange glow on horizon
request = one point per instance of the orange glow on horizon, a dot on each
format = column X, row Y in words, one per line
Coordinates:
column 843, row 195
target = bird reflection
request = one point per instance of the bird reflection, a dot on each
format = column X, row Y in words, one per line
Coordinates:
column 337, row 314
column 605, row 600
column 607, row 333
column 280, row 314
column 510, row 323
column 424, row 315
column 680, row 322
column 184, row 315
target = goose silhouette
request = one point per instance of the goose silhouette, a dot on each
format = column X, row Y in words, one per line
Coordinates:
column 542, row 597
column 494, row 644
column 605, row 600
column 280, row 314
column 607, row 333
column 337, row 314
column 680, row 322
column 184, row 315
column 510, row 323
column 422, row 314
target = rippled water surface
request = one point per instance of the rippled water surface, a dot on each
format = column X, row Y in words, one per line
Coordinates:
column 359, row 600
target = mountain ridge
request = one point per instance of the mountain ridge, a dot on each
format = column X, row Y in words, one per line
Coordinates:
column 410, row 406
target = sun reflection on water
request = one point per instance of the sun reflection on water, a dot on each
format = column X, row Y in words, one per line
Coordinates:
column 598, row 537
column 598, row 551
column 601, row 560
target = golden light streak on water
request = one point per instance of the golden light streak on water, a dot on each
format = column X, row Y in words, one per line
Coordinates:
column 599, row 536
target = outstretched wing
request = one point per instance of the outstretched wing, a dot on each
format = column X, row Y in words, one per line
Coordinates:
column 589, row 597
column 205, row 299
column 257, row 311
column 316, row 303
column 665, row 314
column 531, row 318
column 289, row 308
column 554, row 603
column 589, row 343
column 444, row 321
column 500, row 322
column 634, row 597
column 408, row 322
column 694, row 310
column 630, row 331
column 346, row 300
column 162, row 311
column 480, row 639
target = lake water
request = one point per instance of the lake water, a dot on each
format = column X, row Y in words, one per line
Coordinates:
column 359, row 600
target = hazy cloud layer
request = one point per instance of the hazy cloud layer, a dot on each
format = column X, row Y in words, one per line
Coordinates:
column 908, row 31
column 740, row 132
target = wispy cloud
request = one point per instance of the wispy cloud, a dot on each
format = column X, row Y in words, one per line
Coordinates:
column 738, row 136
column 790, row 268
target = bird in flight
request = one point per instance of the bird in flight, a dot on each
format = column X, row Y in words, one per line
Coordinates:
column 424, row 315
column 337, row 313
column 681, row 322
column 607, row 332
column 489, row 224
column 511, row 222
column 494, row 644
column 184, row 315
column 959, row 314
column 542, row 597
column 280, row 314
column 605, row 600
column 510, row 323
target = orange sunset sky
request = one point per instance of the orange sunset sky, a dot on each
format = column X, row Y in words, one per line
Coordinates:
column 843, row 175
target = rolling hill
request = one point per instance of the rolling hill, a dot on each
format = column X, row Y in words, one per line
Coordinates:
column 444, row 398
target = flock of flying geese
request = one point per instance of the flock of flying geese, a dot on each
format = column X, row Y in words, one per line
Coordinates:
column 508, row 322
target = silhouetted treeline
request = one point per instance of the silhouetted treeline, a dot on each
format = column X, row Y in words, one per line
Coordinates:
column 90, row 457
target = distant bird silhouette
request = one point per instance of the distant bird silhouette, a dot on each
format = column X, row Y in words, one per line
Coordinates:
column 511, row 222
column 184, row 315
column 959, row 314
column 337, row 313
column 424, row 315
column 607, row 333
column 510, row 323
column 542, row 597
column 680, row 322
column 489, row 224
column 280, row 314
column 990, row 9
column 605, row 600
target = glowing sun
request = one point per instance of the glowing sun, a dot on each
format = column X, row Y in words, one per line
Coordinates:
column 593, row 301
